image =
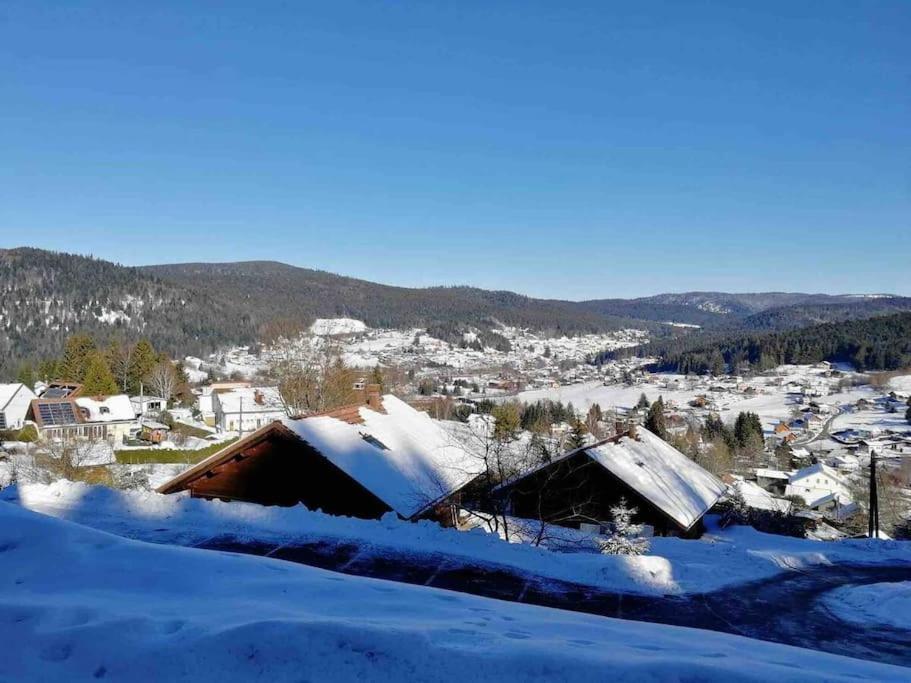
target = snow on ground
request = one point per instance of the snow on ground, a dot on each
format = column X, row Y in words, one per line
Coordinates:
column 880, row 604
column 674, row 566
column 78, row 604
column 901, row 383
column 325, row 327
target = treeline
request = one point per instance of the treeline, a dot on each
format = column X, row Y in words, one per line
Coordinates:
column 881, row 343
column 111, row 369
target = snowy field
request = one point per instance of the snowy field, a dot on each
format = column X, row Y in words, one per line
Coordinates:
column 673, row 566
column 773, row 401
column 77, row 604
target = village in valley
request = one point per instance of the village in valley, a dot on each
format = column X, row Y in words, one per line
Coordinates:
column 469, row 342
column 500, row 418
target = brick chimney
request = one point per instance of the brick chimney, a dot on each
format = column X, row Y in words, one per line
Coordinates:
column 632, row 431
column 374, row 399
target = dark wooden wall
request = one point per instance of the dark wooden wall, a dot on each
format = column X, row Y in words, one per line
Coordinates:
column 285, row 471
column 577, row 490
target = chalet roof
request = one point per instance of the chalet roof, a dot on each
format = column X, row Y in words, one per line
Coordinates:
column 657, row 471
column 664, row 476
column 401, row 455
column 397, row 453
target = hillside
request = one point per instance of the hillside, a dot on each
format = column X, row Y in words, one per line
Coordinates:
column 763, row 310
column 46, row 296
column 875, row 343
column 195, row 308
column 271, row 290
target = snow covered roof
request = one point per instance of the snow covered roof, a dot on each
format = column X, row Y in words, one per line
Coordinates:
column 812, row 470
column 758, row 498
column 664, row 476
column 401, row 455
column 110, row 409
column 766, row 473
column 254, row 400
column 8, row 391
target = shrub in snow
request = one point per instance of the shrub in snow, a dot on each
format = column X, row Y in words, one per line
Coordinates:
column 735, row 509
column 626, row 538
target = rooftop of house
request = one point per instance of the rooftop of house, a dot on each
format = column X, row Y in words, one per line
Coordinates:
column 8, row 391
column 117, row 408
column 251, row 400
column 401, row 455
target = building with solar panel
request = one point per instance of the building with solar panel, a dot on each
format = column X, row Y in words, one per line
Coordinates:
column 109, row 418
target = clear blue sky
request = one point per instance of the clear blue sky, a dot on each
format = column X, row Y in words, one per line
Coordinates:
column 572, row 150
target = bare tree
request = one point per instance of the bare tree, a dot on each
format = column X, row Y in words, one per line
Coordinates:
column 313, row 378
column 163, row 379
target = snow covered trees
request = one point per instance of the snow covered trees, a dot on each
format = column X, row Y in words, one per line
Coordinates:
column 626, row 537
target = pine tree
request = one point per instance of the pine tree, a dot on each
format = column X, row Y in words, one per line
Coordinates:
column 643, row 401
column 142, row 360
column 76, row 353
column 98, row 379
column 376, row 377
column 655, row 422
column 626, row 538
column 26, row 375
column 577, row 435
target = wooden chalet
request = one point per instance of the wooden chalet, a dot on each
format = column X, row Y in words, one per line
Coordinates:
column 362, row 460
column 670, row 492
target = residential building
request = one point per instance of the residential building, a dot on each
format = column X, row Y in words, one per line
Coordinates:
column 670, row 492
column 247, row 409
column 362, row 460
column 14, row 403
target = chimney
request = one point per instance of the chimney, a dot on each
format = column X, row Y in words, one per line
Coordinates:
column 258, row 397
column 619, row 428
column 632, row 431
column 373, row 397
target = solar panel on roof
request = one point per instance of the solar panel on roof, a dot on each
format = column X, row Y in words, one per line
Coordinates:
column 56, row 392
column 57, row 413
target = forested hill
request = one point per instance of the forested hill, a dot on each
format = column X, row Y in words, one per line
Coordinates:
column 46, row 296
column 279, row 291
column 756, row 311
column 196, row 308
column 878, row 343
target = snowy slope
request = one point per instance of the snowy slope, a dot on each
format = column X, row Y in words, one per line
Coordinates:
column 77, row 604
column 674, row 566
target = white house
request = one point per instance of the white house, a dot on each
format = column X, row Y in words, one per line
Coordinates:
column 143, row 405
column 14, row 403
column 820, row 486
column 114, row 412
column 247, row 409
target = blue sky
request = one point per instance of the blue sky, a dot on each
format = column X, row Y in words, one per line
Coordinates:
column 572, row 150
